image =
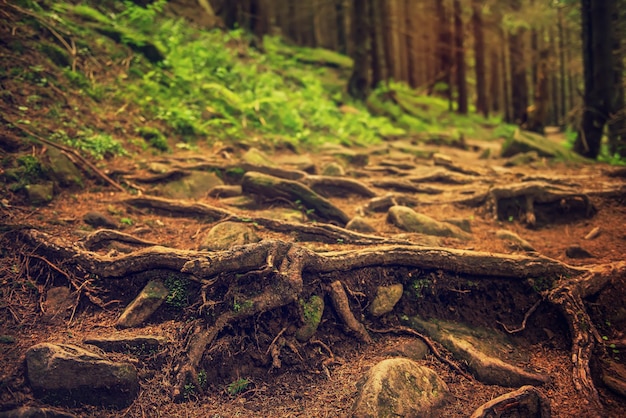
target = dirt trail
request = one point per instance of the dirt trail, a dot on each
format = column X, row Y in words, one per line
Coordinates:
column 244, row 305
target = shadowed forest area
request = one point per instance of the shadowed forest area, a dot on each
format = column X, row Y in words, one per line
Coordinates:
column 316, row 208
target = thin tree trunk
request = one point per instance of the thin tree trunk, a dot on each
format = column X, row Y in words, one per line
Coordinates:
column 519, row 85
column 599, row 75
column 506, row 63
column 479, row 56
column 442, row 82
column 376, row 56
column 461, row 81
column 554, row 81
column 617, row 123
column 562, row 65
column 390, row 64
column 495, row 82
column 341, row 26
column 410, row 45
column 358, row 85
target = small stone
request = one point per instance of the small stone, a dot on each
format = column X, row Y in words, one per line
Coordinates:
column 99, row 220
column 576, row 251
column 413, row 349
column 408, row 220
column 223, row 190
column 359, row 224
column 334, row 170
column 312, row 312
column 228, row 234
column 57, row 303
column 144, row 305
column 385, row 299
column 40, row 194
column 399, row 387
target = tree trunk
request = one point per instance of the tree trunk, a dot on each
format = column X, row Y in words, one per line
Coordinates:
column 617, row 123
column 341, row 26
column 554, row 81
column 506, row 64
column 562, row 65
column 519, row 85
column 388, row 39
column 410, row 45
column 442, row 82
column 375, row 31
column 358, row 85
column 537, row 117
column 461, row 81
column 479, row 56
column 599, row 75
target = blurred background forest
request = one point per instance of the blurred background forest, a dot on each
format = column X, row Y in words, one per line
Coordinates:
column 523, row 59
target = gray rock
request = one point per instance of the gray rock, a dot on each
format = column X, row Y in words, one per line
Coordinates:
column 462, row 223
column 70, row 375
column 40, row 194
column 359, row 224
column 228, row 234
column 350, row 156
column 333, row 170
column 312, row 312
column 386, row 299
column 487, row 354
column 514, row 239
column 408, row 220
column 413, row 349
column 256, row 157
column 144, row 305
column 222, row 191
column 195, row 185
column 576, row 251
column 34, row 412
column 58, row 302
column 100, row 220
column 63, row 169
column 399, row 387
column 136, row 344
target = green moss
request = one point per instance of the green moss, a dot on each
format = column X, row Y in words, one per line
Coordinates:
column 57, row 55
column 154, row 137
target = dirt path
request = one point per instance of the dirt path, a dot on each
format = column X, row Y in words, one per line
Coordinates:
column 241, row 311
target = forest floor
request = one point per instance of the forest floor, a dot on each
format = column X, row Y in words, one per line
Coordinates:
column 252, row 364
column 305, row 385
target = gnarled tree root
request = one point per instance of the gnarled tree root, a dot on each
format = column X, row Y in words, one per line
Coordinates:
column 283, row 265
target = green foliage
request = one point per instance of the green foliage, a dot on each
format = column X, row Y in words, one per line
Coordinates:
column 237, row 387
column 241, row 306
column 98, row 145
column 142, row 17
column 419, row 286
column 177, row 297
column 31, row 167
column 154, row 137
column 202, row 379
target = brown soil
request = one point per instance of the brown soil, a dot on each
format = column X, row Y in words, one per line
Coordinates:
column 306, row 385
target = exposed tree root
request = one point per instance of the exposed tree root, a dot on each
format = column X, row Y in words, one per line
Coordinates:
column 429, row 343
column 281, row 266
column 342, row 306
column 520, row 200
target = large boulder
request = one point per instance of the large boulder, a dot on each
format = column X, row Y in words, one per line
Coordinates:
column 70, row 375
column 399, row 387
